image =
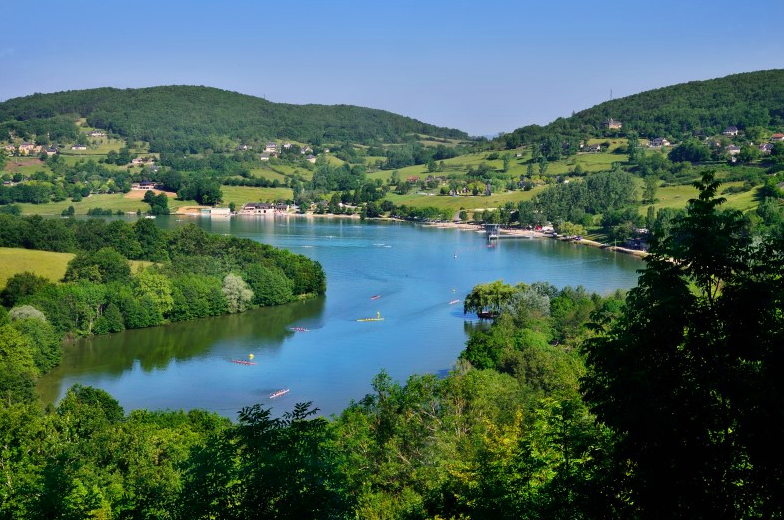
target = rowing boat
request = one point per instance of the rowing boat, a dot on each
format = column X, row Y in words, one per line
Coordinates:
column 279, row 393
column 454, row 302
column 376, row 297
column 243, row 362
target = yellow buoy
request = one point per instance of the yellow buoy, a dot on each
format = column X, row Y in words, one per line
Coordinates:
column 250, row 356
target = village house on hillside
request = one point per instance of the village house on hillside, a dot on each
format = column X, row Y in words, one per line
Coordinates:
column 78, row 147
column 10, row 148
column 733, row 150
column 730, row 130
column 612, row 124
column 97, row 133
column 311, row 159
column 271, row 147
column 242, row 147
column 29, row 148
column 658, row 142
column 146, row 185
column 264, row 157
column 776, row 138
column 591, row 148
column 765, row 148
column 140, row 161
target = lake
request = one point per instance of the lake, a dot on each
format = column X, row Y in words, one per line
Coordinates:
column 415, row 270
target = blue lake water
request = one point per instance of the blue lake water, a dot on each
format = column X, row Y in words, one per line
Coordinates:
column 417, row 270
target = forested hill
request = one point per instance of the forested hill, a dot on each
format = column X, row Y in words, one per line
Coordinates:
column 195, row 118
column 707, row 107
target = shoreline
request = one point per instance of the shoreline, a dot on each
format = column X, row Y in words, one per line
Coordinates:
column 478, row 228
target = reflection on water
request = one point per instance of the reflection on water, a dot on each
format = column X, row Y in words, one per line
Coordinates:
column 155, row 348
column 415, row 272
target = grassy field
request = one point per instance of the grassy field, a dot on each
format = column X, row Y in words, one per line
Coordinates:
column 677, row 197
column 104, row 147
column 334, row 161
column 283, row 171
column 745, row 201
column 242, row 194
column 25, row 165
column 467, row 202
column 268, row 174
column 43, row 263
column 50, row 265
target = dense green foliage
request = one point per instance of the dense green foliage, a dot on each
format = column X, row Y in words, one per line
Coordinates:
column 698, row 107
column 599, row 193
column 689, row 379
column 193, row 119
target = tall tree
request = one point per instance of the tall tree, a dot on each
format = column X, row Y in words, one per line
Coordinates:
column 689, row 377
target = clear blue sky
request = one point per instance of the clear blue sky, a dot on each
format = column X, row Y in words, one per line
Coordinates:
column 483, row 67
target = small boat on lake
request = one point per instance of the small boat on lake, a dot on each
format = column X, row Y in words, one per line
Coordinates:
column 377, row 318
column 376, row 297
column 243, row 362
column 299, row 329
column 279, row 393
column 454, row 302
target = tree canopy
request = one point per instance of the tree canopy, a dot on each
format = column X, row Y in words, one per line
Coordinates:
column 193, row 119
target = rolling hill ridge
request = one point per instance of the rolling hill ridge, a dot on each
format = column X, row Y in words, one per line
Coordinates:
column 195, row 118
column 697, row 107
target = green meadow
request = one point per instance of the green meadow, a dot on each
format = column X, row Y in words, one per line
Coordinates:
column 105, row 146
column 468, row 202
column 48, row 264
column 242, row 194
column 43, row 263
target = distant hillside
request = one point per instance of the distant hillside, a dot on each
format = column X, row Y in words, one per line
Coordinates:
column 182, row 118
column 707, row 107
